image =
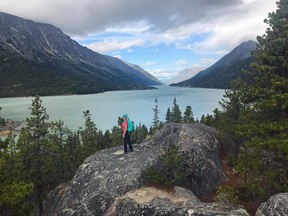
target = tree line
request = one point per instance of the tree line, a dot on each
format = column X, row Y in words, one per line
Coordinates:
column 46, row 154
column 173, row 114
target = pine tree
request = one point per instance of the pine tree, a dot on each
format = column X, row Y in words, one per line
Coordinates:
column 188, row 117
column 168, row 115
column 73, row 153
column 176, row 115
column 103, row 140
column 258, row 106
column 35, row 150
column 116, row 136
column 140, row 133
column 89, row 135
column 63, row 155
column 13, row 189
column 156, row 121
column 2, row 120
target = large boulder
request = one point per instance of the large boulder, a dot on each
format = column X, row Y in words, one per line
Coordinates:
column 276, row 205
column 200, row 149
column 150, row 201
column 109, row 174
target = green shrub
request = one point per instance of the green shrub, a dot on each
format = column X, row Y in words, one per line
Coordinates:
column 226, row 194
column 169, row 170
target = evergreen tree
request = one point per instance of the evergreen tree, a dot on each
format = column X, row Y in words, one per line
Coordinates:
column 103, row 140
column 2, row 120
column 35, row 150
column 89, row 135
column 258, row 109
column 73, row 153
column 188, row 117
column 176, row 115
column 13, row 189
column 139, row 134
column 63, row 155
column 116, row 136
column 168, row 115
column 233, row 109
column 214, row 120
column 156, row 121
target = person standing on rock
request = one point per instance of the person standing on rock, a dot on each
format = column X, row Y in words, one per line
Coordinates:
column 126, row 134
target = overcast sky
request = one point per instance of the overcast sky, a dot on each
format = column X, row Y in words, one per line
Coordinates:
column 162, row 36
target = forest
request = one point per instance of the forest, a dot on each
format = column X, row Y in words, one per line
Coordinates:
column 46, row 154
column 254, row 118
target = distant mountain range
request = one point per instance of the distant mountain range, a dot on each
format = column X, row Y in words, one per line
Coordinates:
column 228, row 68
column 39, row 59
column 184, row 75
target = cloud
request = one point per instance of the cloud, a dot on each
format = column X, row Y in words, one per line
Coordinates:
column 79, row 17
column 202, row 26
column 164, row 74
column 111, row 45
column 150, row 63
column 181, row 62
column 219, row 36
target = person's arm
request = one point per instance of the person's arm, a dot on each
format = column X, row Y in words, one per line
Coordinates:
column 125, row 127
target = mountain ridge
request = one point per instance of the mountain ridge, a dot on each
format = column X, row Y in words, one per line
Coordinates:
column 228, row 68
column 34, row 49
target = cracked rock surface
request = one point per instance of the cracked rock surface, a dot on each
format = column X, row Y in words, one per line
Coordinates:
column 276, row 205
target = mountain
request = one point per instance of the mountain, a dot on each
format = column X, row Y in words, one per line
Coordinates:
column 228, row 68
column 184, row 75
column 40, row 59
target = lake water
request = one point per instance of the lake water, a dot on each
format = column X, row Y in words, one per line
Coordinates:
column 106, row 107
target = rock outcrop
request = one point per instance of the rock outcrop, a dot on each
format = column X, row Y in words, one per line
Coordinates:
column 276, row 205
column 179, row 202
column 108, row 181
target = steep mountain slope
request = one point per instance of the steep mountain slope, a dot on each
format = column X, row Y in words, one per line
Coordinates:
column 38, row 58
column 225, row 70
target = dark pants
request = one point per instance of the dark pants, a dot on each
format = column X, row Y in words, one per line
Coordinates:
column 127, row 140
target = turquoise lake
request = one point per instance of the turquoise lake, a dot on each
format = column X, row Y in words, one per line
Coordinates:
column 106, row 107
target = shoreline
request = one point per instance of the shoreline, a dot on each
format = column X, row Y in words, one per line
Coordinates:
column 151, row 87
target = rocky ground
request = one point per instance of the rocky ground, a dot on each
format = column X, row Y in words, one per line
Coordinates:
column 111, row 183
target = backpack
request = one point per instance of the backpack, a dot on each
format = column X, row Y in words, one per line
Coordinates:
column 131, row 126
